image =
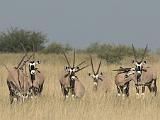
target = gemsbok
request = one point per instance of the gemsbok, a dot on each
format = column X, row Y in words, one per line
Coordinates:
column 18, row 82
column 99, row 81
column 145, row 76
column 36, row 77
column 70, row 83
column 122, row 80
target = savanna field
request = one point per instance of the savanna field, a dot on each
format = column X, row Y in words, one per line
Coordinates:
column 93, row 106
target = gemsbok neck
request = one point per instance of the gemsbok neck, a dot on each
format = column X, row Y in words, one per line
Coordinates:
column 32, row 77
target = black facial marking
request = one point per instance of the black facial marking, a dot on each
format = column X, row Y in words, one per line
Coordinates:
column 32, row 67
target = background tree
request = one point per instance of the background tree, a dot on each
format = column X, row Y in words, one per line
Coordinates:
column 11, row 39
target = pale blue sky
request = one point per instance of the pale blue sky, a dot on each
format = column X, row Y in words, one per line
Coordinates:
column 80, row 22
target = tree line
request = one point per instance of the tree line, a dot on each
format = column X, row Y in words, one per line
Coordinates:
column 10, row 42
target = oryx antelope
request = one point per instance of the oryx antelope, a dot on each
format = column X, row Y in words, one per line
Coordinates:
column 122, row 80
column 21, row 84
column 18, row 82
column 98, row 78
column 145, row 76
column 70, row 84
column 36, row 76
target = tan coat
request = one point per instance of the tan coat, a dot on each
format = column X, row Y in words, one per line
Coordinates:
column 18, row 83
column 39, row 81
column 121, row 80
column 147, row 77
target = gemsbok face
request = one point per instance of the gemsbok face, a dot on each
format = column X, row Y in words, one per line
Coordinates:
column 70, row 84
column 96, row 76
column 139, row 64
column 32, row 67
column 145, row 76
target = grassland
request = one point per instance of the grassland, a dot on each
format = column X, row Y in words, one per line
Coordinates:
column 93, row 106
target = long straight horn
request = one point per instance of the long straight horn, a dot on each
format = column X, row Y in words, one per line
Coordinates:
column 21, row 61
column 23, row 56
column 66, row 58
column 28, row 59
column 82, row 68
column 80, row 63
column 74, row 55
column 23, row 48
column 33, row 51
column 134, row 52
column 144, row 53
column 98, row 67
column 92, row 65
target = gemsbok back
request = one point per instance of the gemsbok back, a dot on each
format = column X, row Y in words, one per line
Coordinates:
column 70, row 83
column 145, row 76
column 122, row 80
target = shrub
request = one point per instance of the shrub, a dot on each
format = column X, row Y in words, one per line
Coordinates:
column 57, row 48
column 113, row 53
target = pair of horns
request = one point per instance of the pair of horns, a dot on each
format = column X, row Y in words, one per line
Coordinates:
column 134, row 52
column 74, row 59
column 123, row 69
column 95, row 73
column 26, row 55
column 74, row 55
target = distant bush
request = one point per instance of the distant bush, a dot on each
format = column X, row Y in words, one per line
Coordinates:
column 158, row 51
column 57, row 48
column 11, row 39
column 113, row 53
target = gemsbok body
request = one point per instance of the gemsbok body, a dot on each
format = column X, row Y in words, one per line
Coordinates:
column 122, row 80
column 36, row 77
column 145, row 76
column 23, row 83
column 70, row 84
column 18, row 82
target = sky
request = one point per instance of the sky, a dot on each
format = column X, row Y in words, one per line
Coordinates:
column 81, row 22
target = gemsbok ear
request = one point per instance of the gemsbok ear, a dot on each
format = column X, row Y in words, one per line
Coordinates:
column 66, row 68
column 77, row 68
column 145, row 62
column 38, row 62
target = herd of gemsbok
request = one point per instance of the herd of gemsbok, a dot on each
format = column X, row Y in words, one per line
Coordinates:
column 26, row 80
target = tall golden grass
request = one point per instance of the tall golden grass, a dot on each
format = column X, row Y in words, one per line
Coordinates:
column 93, row 106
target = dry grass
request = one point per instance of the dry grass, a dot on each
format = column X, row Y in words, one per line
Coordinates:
column 93, row 106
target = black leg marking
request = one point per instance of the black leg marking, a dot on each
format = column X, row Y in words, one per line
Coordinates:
column 143, row 89
column 72, row 85
column 118, row 90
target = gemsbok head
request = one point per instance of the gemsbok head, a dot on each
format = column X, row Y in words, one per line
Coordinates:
column 96, row 75
column 139, row 64
column 70, row 83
